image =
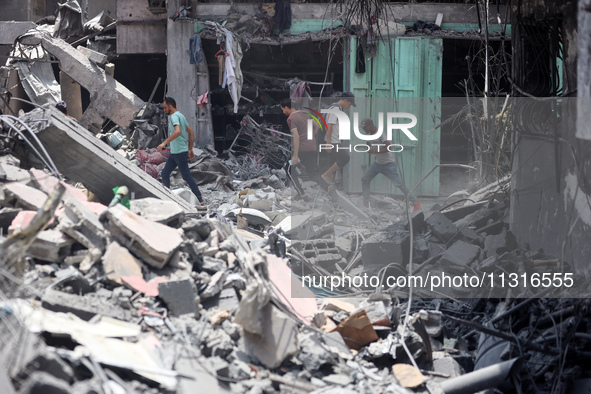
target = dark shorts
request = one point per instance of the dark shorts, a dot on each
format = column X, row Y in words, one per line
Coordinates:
column 341, row 157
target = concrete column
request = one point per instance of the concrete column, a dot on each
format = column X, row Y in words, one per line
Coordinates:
column 181, row 76
column 71, row 94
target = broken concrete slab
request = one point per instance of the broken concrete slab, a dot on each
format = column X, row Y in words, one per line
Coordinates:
column 23, row 196
column 51, row 245
column 312, row 353
column 9, row 172
column 80, row 223
column 82, row 157
column 153, row 242
column 300, row 226
column 85, row 307
column 447, row 366
column 277, row 341
column 93, row 56
column 109, row 98
column 22, row 220
column 118, row 262
column 344, row 245
column 179, row 296
column 156, row 210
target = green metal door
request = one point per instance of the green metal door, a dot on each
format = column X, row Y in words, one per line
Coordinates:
column 408, row 69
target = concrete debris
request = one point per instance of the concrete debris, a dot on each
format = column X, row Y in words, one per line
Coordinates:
column 22, row 196
column 153, row 242
column 119, row 263
column 256, row 292
column 179, row 296
column 51, row 245
column 155, row 210
column 69, row 144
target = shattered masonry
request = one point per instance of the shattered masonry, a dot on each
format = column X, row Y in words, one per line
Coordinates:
column 141, row 289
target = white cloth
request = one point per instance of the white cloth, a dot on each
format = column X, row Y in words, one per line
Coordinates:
column 232, row 71
column 333, row 120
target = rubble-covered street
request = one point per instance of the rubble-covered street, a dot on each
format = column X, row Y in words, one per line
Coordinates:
column 113, row 283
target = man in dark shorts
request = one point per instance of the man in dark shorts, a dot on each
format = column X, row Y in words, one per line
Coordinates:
column 337, row 156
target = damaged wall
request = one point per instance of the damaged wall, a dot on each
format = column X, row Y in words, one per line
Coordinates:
column 138, row 29
column 550, row 193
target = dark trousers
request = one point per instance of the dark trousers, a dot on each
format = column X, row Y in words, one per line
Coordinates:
column 180, row 160
column 309, row 160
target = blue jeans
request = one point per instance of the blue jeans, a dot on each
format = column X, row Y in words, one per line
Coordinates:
column 180, row 160
column 390, row 170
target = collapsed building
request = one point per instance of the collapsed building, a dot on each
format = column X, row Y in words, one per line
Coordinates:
column 135, row 289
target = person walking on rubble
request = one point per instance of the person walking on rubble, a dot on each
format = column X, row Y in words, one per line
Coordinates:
column 181, row 139
column 303, row 149
column 338, row 157
column 385, row 163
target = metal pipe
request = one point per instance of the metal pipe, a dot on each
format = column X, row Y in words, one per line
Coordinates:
column 482, row 379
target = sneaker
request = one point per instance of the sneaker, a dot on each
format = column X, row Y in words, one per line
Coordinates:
column 416, row 206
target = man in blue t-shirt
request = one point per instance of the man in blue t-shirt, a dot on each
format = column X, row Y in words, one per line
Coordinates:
column 181, row 139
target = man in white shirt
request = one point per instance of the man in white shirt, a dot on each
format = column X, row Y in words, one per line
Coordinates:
column 385, row 163
column 337, row 158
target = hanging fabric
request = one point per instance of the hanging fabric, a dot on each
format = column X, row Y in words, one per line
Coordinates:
column 360, row 63
column 282, row 16
column 196, row 54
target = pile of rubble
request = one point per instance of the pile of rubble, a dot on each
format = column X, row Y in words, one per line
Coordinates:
column 153, row 298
